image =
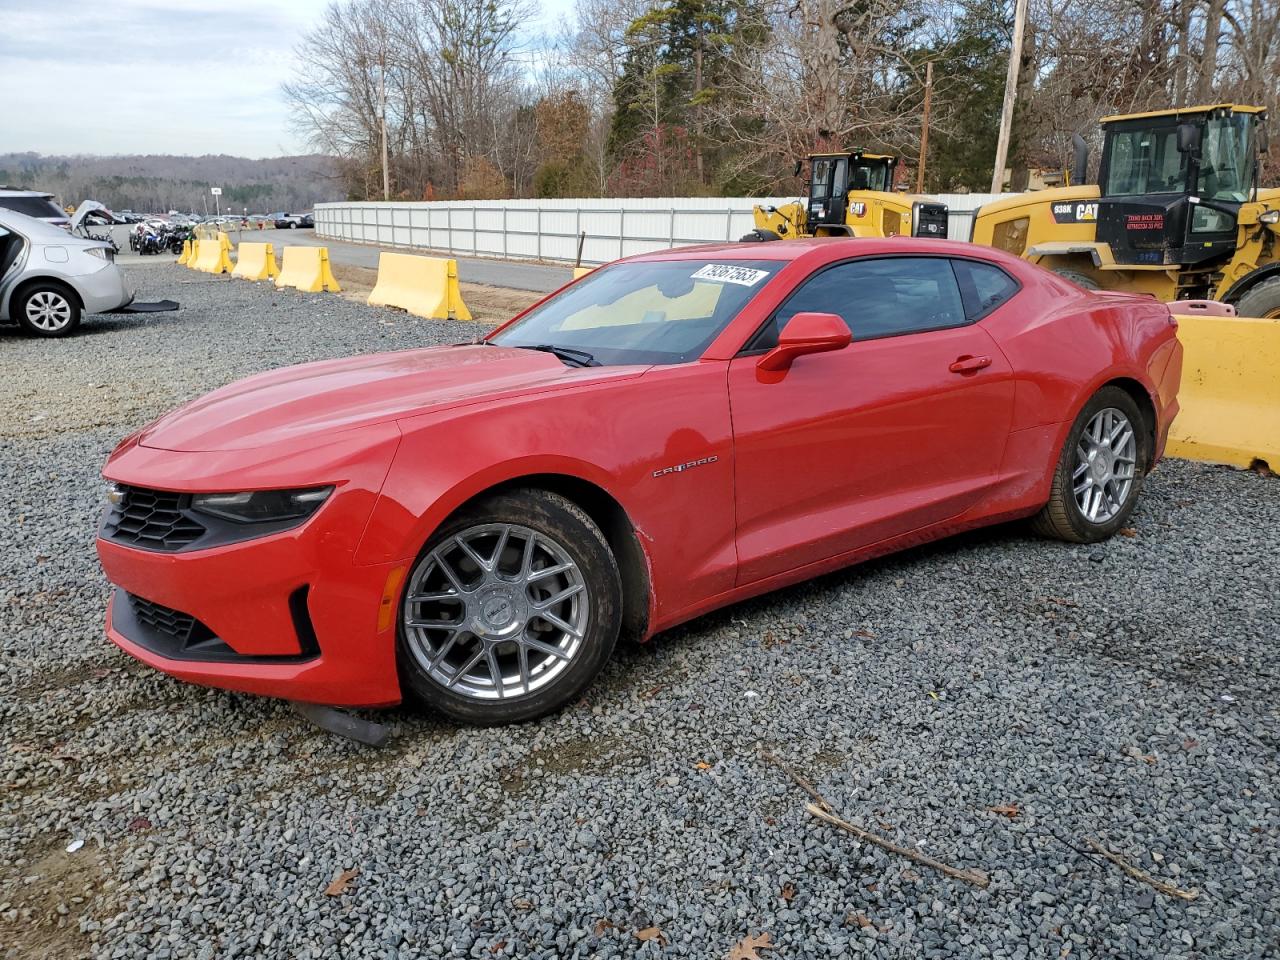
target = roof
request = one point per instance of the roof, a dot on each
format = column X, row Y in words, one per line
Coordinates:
column 859, row 153
column 24, row 192
column 1178, row 111
column 821, row 248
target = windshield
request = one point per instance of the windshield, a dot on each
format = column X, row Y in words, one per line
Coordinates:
column 1226, row 161
column 665, row 311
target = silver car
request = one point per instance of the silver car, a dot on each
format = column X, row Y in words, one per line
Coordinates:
column 48, row 277
column 34, row 203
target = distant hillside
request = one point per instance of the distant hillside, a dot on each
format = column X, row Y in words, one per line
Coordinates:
column 155, row 183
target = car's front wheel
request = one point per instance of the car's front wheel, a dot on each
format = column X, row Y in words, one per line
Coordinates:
column 47, row 310
column 511, row 609
column 1099, row 472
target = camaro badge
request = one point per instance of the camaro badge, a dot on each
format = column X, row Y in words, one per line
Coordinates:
column 682, row 467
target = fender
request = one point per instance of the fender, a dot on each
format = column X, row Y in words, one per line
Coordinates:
column 1250, row 280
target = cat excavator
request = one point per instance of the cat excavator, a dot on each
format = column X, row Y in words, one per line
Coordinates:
column 1177, row 211
column 850, row 194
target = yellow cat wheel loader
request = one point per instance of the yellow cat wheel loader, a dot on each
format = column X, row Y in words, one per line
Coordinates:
column 850, row 194
column 1176, row 212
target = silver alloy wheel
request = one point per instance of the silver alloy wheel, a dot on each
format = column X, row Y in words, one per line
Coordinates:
column 497, row 610
column 1106, row 459
column 48, row 310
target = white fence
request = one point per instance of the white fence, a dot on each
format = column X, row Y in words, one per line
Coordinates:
column 549, row 229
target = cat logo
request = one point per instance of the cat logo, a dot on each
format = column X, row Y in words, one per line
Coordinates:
column 1075, row 212
column 858, row 209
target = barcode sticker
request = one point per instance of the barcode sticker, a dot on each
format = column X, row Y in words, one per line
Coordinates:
column 728, row 273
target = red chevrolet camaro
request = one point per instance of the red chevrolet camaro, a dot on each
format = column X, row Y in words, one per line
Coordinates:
column 478, row 524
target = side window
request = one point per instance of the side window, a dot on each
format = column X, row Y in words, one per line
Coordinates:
column 876, row 298
column 983, row 286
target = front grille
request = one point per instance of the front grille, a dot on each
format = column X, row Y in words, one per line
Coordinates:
column 153, row 519
column 180, row 627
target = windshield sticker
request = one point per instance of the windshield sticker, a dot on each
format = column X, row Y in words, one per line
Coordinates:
column 727, row 273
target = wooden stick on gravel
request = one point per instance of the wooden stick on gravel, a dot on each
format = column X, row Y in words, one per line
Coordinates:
column 798, row 780
column 1140, row 875
column 823, row 810
column 976, row 877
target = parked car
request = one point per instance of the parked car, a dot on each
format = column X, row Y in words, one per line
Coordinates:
column 477, row 525
column 34, row 203
column 49, row 277
column 286, row 221
column 307, row 221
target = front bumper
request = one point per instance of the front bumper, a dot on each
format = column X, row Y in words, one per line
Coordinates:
column 247, row 602
column 289, row 614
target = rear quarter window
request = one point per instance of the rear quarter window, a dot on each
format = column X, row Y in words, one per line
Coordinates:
column 984, row 287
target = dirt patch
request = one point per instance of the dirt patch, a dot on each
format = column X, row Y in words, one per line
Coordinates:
column 488, row 305
column 53, row 893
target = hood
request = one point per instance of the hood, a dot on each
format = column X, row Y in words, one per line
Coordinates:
column 316, row 400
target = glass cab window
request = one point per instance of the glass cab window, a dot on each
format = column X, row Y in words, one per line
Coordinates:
column 1145, row 161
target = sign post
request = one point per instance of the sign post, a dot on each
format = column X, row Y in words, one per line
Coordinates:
column 217, row 198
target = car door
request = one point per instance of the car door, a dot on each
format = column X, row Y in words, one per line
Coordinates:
column 903, row 429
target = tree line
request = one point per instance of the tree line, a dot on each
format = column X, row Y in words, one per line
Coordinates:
column 720, row 97
column 156, row 183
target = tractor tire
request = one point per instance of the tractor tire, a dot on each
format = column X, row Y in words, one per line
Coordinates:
column 757, row 236
column 1261, row 301
column 1078, row 278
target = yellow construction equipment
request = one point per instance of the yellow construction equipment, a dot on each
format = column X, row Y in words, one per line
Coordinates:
column 1177, row 212
column 255, row 261
column 1230, row 393
column 424, row 286
column 850, row 194
column 307, row 269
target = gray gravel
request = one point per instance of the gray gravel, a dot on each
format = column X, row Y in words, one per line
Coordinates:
column 1126, row 692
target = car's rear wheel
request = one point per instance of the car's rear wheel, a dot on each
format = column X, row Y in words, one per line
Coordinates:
column 1078, row 278
column 47, row 310
column 511, row 609
column 1099, row 472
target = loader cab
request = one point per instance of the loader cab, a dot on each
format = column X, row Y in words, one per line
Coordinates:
column 833, row 176
column 1172, row 183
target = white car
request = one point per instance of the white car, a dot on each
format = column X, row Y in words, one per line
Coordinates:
column 49, row 277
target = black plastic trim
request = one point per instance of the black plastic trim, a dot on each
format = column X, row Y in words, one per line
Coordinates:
column 202, row 645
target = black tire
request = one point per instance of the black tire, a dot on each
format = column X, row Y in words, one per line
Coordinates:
column 1078, row 278
column 562, row 521
column 292, row 225
column 1062, row 517
column 46, row 310
column 1262, row 300
column 759, row 236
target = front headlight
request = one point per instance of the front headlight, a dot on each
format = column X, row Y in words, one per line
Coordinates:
column 1271, row 216
column 102, row 253
column 262, row 506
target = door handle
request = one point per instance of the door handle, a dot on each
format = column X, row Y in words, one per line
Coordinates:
column 967, row 364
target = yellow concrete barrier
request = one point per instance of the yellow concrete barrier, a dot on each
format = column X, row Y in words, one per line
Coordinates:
column 214, row 256
column 424, row 286
column 1230, row 392
column 256, row 261
column 185, row 255
column 581, row 271
column 195, row 252
column 307, row 269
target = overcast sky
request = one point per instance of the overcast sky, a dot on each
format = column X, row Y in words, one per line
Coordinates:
column 156, row 76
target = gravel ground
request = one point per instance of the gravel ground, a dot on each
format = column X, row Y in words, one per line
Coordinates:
column 992, row 701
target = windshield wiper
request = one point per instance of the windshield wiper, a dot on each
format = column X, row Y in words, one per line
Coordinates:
column 579, row 358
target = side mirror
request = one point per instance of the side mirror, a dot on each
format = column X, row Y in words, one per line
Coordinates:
column 1260, row 129
column 1189, row 138
column 806, row 333
column 799, row 167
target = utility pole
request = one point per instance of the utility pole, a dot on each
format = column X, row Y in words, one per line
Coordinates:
column 924, row 127
column 1010, row 92
column 382, row 93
